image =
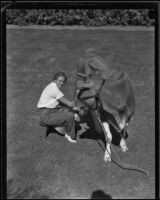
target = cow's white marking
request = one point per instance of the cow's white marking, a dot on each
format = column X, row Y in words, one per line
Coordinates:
column 122, row 124
column 107, row 154
column 123, row 145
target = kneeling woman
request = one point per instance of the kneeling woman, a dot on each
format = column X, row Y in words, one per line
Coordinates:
column 55, row 106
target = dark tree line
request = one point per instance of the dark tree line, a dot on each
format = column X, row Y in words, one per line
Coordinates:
column 88, row 17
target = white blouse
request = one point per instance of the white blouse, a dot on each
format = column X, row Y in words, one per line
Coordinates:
column 49, row 96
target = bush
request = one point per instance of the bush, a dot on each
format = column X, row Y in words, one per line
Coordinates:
column 88, row 17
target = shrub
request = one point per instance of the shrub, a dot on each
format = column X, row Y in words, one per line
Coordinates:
column 88, row 17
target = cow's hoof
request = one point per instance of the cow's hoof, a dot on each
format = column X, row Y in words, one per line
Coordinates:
column 124, row 149
column 107, row 159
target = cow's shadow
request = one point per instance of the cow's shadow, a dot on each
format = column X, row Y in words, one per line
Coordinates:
column 93, row 133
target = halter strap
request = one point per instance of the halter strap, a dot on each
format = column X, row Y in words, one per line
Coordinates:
column 88, row 97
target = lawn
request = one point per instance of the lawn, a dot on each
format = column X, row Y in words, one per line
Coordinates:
column 51, row 168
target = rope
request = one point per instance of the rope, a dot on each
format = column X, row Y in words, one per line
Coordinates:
column 122, row 164
column 127, row 166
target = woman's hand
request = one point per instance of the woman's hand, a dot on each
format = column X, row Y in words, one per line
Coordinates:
column 67, row 102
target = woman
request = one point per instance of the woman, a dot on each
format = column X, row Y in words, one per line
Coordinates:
column 56, row 109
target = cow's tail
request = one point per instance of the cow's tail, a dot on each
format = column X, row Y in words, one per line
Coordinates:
column 126, row 166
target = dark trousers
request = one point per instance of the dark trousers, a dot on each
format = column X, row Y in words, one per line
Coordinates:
column 59, row 117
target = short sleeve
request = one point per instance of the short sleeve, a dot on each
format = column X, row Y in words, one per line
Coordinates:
column 59, row 95
column 56, row 93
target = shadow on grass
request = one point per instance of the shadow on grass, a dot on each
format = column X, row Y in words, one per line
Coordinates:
column 49, row 130
column 22, row 192
column 96, row 133
column 93, row 135
column 99, row 194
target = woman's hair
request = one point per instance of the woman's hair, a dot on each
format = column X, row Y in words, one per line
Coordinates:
column 58, row 74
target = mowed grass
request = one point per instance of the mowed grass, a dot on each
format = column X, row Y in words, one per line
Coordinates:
column 52, row 167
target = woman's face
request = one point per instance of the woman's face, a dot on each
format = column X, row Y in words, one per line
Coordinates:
column 60, row 81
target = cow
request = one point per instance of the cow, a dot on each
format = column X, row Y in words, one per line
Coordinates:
column 94, row 74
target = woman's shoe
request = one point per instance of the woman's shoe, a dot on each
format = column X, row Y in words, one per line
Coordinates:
column 69, row 138
column 61, row 130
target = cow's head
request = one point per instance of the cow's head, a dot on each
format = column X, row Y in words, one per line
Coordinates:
column 90, row 80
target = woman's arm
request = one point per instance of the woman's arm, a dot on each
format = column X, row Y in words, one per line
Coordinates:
column 65, row 101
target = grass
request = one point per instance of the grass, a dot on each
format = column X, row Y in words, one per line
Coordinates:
column 33, row 56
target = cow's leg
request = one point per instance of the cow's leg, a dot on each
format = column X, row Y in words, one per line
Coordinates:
column 123, row 144
column 108, row 138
